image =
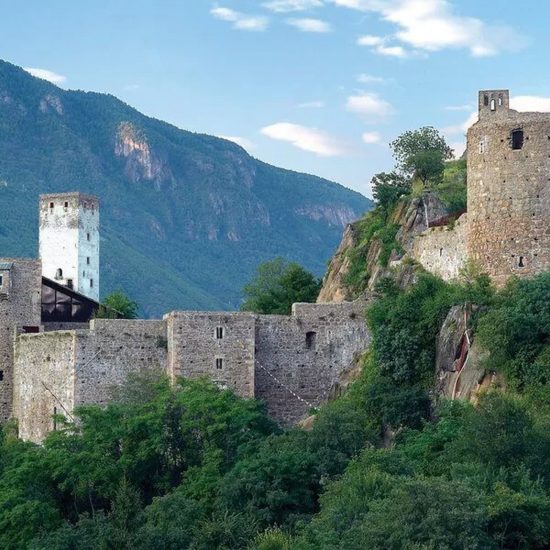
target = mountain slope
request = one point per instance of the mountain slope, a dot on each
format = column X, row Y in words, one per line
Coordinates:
column 185, row 217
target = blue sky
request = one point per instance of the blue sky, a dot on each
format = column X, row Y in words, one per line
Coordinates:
column 319, row 86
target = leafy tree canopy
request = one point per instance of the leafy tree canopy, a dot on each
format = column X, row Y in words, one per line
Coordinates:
column 387, row 187
column 277, row 285
column 117, row 306
column 422, row 154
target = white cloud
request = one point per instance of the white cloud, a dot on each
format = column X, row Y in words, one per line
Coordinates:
column 462, row 128
column 370, row 105
column 392, row 51
column 241, row 21
column 432, row 25
column 370, row 40
column 458, row 148
column 308, row 139
column 380, row 45
column 44, row 74
column 312, row 105
column 310, row 25
column 284, row 6
column 530, row 103
column 371, row 137
column 370, row 79
column 243, row 142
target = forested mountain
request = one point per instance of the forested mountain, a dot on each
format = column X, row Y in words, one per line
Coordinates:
column 185, row 217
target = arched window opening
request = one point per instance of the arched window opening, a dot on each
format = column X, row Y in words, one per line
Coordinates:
column 311, row 337
column 500, row 100
column 493, row 105
column 59, row 274
column 486, row 100
column 517, row 139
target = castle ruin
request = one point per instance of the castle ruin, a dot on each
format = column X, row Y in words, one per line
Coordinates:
column 506, row 230
column 55, row 357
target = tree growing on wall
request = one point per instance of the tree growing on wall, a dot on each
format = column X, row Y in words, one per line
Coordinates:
column 117, row 306
column 422, row 154
column 277, row 285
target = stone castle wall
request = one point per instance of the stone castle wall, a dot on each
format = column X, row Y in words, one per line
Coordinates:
column 19, row 306
column 43, row 381
column 299, row 358
column 442, row 250
column 58, row 371
column 112, row 350
column 219, row 346
column 508, row 191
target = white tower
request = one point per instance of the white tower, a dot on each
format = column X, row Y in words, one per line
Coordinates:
column 69, row 241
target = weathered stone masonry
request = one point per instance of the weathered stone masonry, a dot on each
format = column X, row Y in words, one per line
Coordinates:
column 291, row 362
column 19, row 306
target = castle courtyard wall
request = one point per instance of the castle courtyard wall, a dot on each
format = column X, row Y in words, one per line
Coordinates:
column 443, row 250
column 299, row 358
column 219, row 346
column 19, row 306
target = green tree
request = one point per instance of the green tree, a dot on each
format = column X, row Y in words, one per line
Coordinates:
column 277, row 285
column 422, row 154
column 117, row 306
column 387, row 187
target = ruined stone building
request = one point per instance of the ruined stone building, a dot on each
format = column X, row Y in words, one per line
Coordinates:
column 55, row 357
column 506, row 230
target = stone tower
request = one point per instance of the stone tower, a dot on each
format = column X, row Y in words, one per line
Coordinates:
column 508, row 189
column 69, row 241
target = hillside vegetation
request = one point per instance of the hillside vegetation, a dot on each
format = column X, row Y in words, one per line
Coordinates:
column 195, row 467
column 185, row 217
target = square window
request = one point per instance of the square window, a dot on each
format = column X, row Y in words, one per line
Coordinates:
column 51, row 205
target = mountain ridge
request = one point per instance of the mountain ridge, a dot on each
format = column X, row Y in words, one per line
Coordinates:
column 186, row 217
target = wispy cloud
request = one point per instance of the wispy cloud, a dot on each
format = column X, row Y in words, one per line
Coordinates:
column 370, row 105
column 382, row 45
column 45, row 74
column 310, row 25
column 318, row 104
column 458, row 108
column 370, row 79
column 243, row 142
column 371, row 137
column 308, row 139
column 284, row 6
column 433, row 25
column 241, row 21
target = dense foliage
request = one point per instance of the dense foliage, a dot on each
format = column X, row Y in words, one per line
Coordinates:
column 277, row 285
column 195, row 467
column 186, row 231
column 117, row 306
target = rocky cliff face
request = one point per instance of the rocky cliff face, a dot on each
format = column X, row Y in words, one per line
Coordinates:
column 412, row 216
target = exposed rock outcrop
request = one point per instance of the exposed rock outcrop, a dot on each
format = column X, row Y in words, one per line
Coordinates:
column 460, row 373
column 413, row 216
